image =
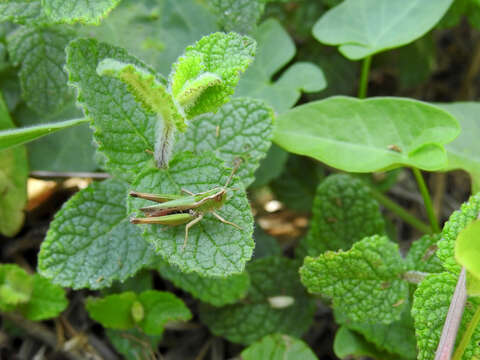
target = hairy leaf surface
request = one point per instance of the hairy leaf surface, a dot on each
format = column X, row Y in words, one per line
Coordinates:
column 83, row 11
column 278, row 347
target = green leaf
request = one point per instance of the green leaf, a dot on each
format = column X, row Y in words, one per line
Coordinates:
column 371, row 270
column 270, row 167
column 123, row 129
column 459, row 219
column 463, row 152
column 142, row 281
column 278, row 347
column 43, row 80
column 217, row 291
column 133, row 343
column 256, row 316
column 47, row 300
column 113, row 311
column 238, row 15
column 362, row 28
column 213, row 248
column 15, row 137
column 430, row 307
column 16, row 286
column 224, row 55
column 83, row 11
column 275, row 50
column 344, row 212
column 241, row 129
column 422, row 255
column 22, row 11
column 265, row 245
column 90, row 241
column 69, row 150
column 467, row 249
column 161, row 308
column 13, row 180
column 367, row 135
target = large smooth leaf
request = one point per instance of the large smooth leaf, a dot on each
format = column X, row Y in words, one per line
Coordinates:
column 368, row 135
column 365, row 27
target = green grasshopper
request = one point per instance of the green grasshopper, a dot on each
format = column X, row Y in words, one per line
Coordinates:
column 180, row 209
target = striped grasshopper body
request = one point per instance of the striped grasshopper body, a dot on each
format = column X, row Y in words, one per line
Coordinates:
column 187, row 209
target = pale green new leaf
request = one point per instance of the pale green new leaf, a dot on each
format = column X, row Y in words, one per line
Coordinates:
column 365, row 27
column 256, row 316
column 344, row 212
column 16, row 286
column 422, row 255
column 223, row 55
column 430, row 306
column 13, row 180
column 213, row 248
column 124, row 131
column 278, row 347
column 83, row 11
column 275, row 50
column 113, row 311
column 240, row 16
column 242, row 129
column 368, row 135
column 22, row 11
column 47, row 300
column 41, row 54
column 364, row 282
column 464, row 151
column 459, row 219
column 91, row 242
column 467, row 250
column 217, row 291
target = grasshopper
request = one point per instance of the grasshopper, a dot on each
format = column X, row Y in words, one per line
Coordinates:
column 180, row 209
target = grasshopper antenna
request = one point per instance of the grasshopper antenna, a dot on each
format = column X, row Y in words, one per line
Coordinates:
column 238, row 162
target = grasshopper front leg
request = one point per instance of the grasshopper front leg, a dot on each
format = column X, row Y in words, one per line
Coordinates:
column 188, row 226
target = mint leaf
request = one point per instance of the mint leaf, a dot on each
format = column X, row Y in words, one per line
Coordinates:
column 41, row 54
column 459, row 219
column 22, row 11
column 275, row 50
column 47, row 300
column 388, row 139
column 265, row 245
column 256, row 315
column 123, row 129
column 213, row 248
column 344, row 212
column 90, row 241
column 238, row 15
column 13, row 180
column 278, row 347
column 422, row 255
column 241, row 129
column 133, row 343
column 217, row 291
column 223, row 55
column 113, row 311
column 142, row 281
column 371, row 270
column 430, row 307
column 16, row 286
column 83, row 11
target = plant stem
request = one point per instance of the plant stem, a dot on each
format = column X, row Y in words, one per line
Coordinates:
column 426, row 200
column 362, row 89
column 400, row 211
column 467, row 335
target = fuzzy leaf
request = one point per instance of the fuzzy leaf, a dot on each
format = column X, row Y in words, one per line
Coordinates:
column 113, row 311
column 241, row 129
column 368, row 135
column 459, row 219
column 83, row 11
column 22, row 11
column 213, row 248
column 123, row 129
column 217, row 291
column 255, row 317
column 90, row 241
column 364, row 282
column 16, row 286
column 13, row 180
column 278, row 347
column 240, row 16
column 430, row 307
column 365, row 27
column 344, row 212
column 47, row 300
column 41, row 54
column 422, row 255
column 225, row 55
column 275, row 50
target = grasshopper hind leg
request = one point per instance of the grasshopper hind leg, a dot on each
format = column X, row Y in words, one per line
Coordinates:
column 225, row 221
column 188, row 226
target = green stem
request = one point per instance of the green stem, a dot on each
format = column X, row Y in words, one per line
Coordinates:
column 401, row 212
column 362, row 89
column 467, row 335
column 426, row 200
